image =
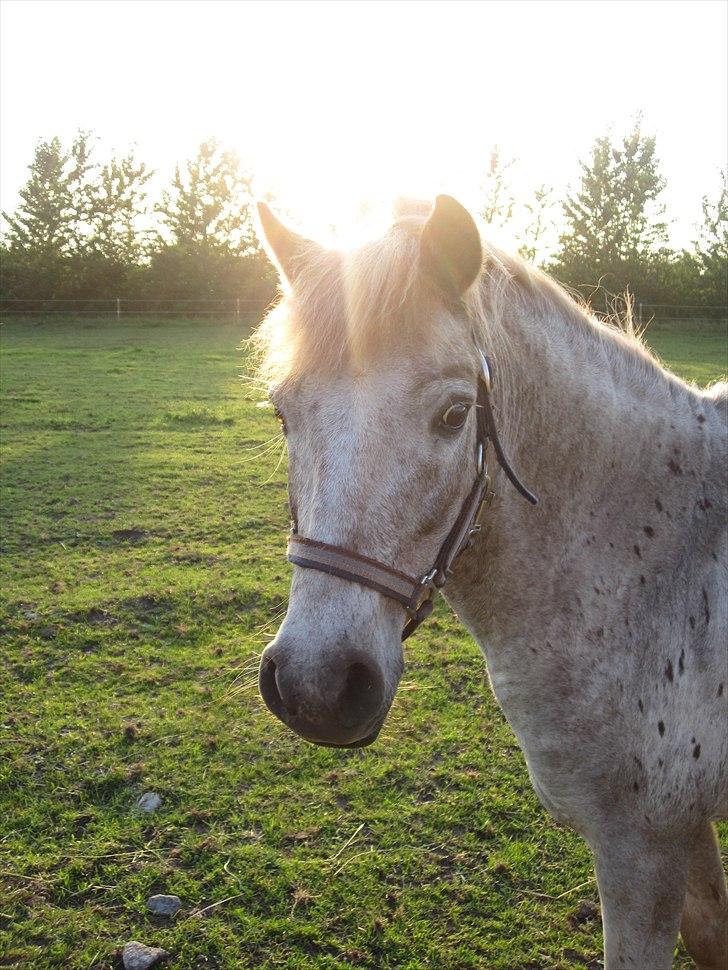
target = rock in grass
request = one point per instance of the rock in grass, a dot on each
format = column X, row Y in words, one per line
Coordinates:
column 137, row 956
column 164, row 905
column 149, row 801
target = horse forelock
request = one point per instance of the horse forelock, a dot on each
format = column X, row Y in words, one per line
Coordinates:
column 346, row 306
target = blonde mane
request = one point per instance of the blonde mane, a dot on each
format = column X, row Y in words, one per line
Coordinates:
column 345, row 304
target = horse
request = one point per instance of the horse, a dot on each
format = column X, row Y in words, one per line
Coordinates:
column 398, row 371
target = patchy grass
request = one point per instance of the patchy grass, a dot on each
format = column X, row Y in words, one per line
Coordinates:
column 143, row 571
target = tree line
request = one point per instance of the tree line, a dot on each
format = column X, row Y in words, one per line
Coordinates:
column 85, row 230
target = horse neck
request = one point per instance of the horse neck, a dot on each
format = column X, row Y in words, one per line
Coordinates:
column 610, row 443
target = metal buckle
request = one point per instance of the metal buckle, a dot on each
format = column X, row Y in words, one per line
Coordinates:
column 425, row 588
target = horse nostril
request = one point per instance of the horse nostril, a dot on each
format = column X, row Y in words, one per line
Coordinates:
column 270, row 691
column 362, row 694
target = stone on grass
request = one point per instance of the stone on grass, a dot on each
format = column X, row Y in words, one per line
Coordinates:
column 137, row 956
column 164, row 905
column 149, row 801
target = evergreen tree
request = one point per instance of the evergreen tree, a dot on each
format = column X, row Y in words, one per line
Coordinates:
column 614, row 220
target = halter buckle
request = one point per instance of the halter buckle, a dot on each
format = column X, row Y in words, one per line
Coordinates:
column 422, row 592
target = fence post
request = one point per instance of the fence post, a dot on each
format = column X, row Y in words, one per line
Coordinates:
column 237, row 307
column 118, row 308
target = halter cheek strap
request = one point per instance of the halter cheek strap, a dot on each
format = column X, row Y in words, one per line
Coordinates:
column 417, row 594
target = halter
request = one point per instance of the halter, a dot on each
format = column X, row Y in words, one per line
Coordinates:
column 417, row 595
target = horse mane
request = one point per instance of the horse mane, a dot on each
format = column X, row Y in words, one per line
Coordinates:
column 344, row 304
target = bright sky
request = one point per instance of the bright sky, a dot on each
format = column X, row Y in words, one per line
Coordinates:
column 332, row 104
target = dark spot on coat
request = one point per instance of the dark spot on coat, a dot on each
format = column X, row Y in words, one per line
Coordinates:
column 701, row 419
column 715, row 892
column 611, row 546
column 660, row 762
column 708, row 503
column 715, row 558
column 696, row 751
column 635, row 786
column 597, row 590
column 661, row 727
column 706, row 607
column 641, row 705
column 637, row 761
column 642, row 580
column 720, row 690
column 658, row 505
column 648, row 531
column 692, row 740
column 669, row 671
column 637, row 551
column 681, row 662
column 691, row 620
column 674, row 467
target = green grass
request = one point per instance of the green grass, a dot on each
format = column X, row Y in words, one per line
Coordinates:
column 143, row 570
column 696, row 349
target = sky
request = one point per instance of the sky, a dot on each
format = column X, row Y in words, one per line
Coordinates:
column 334, row 105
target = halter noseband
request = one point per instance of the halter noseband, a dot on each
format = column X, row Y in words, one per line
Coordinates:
column 417, row 595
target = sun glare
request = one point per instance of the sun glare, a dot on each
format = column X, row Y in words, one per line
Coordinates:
column 338, row 108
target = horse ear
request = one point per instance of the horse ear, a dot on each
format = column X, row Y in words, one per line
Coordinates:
column 450, row 248
column 284, row 246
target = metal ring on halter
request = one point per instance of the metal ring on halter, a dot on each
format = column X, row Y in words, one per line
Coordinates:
column 487, row 376
column 480, row 459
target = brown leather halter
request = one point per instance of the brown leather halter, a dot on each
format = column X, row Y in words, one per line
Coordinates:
column 417, row 595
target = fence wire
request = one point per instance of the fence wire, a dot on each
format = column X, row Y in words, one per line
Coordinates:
column 120, row 307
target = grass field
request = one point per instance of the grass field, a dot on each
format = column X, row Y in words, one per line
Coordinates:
column 143, row 570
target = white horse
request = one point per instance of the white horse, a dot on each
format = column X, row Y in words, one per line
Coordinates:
column 602, row 611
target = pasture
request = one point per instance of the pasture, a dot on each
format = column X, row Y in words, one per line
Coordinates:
column 143, row 567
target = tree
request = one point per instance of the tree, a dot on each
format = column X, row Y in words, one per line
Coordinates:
column 538, row 224
column 614, row 220
column 712, row 248
column 498, row 198
column 208, row 249
column 50, row 225
column 208, row 205
column 116, row 243
column 117, row 206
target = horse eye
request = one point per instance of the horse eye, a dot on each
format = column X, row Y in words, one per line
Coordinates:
column 454, row 417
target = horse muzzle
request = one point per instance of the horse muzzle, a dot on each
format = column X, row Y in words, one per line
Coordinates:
column 339, row 701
